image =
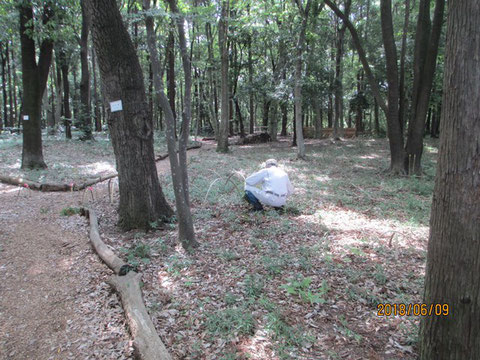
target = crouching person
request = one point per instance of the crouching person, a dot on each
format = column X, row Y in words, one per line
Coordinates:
column 275, row 187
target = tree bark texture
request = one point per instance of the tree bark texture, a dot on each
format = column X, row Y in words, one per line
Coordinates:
column 424, row 74
column 85, row 107
column 403, row 54
column 178, row 164
column 395, row 135
column 339, row 74
column 304, row 12
column 185, row 223
column 141, row 197
column 222, row 145
column 453, row 261
column 67, row 113
column 34, row 77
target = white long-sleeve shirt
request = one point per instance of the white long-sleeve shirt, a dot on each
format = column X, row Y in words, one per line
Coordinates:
column 276, row 186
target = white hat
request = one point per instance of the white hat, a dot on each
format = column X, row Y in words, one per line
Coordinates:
column 270, row 163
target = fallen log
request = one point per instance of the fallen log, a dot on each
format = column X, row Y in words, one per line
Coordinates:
column 146, row 342
column 51, row 187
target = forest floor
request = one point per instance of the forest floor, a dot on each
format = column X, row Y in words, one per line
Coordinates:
column 302, row 285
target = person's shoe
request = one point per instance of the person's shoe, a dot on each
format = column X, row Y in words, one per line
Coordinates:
column 256, row 209
column 280, row 209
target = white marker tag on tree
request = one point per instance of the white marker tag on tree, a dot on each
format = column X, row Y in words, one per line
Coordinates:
column 26, row 117
column 116, row 106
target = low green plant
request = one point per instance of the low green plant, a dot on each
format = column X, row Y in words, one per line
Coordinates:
column 228, row 255
column 175, row 264
column 347, row 331
column 253, row 285
column 273, row 265
column 69, row 211
column 160, row 245
column 301, row 287
column 230, row 299
column 286, row 336
column 379, row 275
column 138, row 254
column 230, row 322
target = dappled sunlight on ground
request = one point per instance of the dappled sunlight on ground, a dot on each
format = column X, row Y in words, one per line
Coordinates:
column 304, row 284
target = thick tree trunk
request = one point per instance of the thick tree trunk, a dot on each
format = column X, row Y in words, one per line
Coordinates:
column 454, row 246
column 34, row 77
column 395, row 135
column 85, row 106
column 222, row 145
column 131, row 128
column 425, row 64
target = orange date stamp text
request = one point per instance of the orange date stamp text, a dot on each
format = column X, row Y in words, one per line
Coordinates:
column 418, row 309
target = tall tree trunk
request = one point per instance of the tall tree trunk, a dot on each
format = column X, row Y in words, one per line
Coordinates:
column 85, row 107
column 339, row 74
column 178, row 166
column 454, row 245
column 401, row 109
column 15, row 103
column 10, row 96
column 96, row 99
column 4, row 85
column 131, row 129
column 266, row 111
column 284, row 108
column 222, row 145
column 250, row 82
column 425, row 64
column 171, row 87
column 395, row 135
column 298, row 79
column 34, row 77
column 67, row 114
column 58, row 93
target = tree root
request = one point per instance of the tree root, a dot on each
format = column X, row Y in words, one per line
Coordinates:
column 46, row 187
column 146, row 342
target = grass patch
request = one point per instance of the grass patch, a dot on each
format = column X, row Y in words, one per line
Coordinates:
column 69, row 211
column 230, row 322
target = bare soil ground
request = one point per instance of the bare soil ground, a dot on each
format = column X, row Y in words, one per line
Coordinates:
column 54, row 303
column 303, row 285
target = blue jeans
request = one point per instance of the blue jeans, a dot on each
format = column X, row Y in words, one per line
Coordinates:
column 253, row 200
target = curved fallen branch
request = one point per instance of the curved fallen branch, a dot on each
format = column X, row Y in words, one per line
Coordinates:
column 146, row 342
column 228, row 179
column 19, row 181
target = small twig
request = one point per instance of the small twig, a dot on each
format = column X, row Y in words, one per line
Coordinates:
column 390, row 241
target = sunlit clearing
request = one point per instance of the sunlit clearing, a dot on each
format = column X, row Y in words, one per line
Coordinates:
column 98, row 167
column 355, row 227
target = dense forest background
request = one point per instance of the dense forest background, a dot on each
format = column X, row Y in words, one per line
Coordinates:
column 271, row 47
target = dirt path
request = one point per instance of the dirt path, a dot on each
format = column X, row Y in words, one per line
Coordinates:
column 54, row 302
